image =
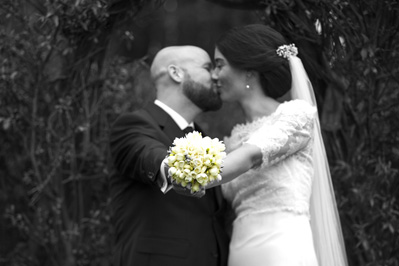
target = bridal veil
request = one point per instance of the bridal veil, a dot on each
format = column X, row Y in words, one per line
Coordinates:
column 325, row 223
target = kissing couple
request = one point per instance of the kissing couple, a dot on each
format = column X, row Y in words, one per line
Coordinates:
column 275, row 176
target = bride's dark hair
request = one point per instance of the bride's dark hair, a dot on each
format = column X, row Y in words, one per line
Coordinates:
column 253, row 47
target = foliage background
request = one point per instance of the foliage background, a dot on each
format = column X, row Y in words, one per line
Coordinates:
column 69, row 68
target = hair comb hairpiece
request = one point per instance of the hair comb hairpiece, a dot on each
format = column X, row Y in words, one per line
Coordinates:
column 287, row 50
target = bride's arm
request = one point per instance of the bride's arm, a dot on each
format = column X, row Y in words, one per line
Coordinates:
column 271, row 143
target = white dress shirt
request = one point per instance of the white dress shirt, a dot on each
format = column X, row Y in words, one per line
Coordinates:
column 180, row 121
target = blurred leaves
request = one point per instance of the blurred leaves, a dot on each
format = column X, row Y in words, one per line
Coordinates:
column 59, row 93
column 54, row 156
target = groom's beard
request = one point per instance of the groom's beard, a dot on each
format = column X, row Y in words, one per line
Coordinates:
column 207, row 99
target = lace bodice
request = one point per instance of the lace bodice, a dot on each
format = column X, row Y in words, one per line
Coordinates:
column 284, row 179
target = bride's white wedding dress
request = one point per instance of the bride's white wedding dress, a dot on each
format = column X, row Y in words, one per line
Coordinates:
column 271, row 202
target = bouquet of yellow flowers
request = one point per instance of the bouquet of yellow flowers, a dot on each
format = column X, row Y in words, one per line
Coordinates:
column 196, row 161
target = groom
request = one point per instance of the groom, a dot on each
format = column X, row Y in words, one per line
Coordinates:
column 153, row 228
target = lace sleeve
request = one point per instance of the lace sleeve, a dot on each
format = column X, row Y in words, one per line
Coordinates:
column 289, row 132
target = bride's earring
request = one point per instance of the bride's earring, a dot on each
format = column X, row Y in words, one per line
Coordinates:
column 247, row 79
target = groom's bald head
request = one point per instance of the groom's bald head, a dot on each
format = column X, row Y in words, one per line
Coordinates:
column 181, row 56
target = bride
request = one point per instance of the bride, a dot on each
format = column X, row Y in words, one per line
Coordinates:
column 275, row 176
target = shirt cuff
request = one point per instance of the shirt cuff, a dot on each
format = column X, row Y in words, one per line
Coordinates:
column 166, row 184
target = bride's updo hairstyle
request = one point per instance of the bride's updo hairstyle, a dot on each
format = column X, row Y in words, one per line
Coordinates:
column 253, row 47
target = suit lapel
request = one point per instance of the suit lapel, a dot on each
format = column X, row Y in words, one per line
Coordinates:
column 165, row 122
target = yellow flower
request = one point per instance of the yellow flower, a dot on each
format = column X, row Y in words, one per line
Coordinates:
column 214, row 171
column 171, row 159
column 197, row 170
column 179, row 156
column 195, row 187
column 172, row 171
column 201, row 178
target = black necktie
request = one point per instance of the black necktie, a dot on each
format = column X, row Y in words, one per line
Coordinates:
column 188, row 129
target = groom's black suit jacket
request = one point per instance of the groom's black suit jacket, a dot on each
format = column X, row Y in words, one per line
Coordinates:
column 152, row 228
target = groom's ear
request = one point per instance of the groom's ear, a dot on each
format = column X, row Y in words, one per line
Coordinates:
column 176, row 73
